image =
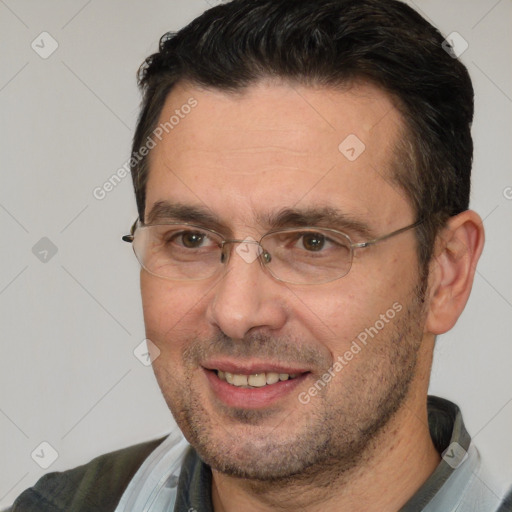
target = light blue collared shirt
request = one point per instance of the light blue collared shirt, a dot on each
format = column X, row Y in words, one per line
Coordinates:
column 173, row 477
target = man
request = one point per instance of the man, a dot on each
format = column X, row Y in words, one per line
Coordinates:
column 302, row 176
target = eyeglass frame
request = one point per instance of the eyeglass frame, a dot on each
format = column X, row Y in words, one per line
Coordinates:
column 224, row 241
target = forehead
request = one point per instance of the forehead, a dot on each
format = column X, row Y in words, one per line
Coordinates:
column 275, row 146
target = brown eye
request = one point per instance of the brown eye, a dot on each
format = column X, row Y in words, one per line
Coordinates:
column 192, row 239
column 313, row 241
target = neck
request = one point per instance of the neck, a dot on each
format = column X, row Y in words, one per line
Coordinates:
column 398, row 461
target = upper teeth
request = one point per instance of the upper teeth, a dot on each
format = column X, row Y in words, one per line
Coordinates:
column 256, row 380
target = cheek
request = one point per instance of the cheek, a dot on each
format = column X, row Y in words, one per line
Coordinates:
column 170, row 312
column 338, row 312
column 334, row 317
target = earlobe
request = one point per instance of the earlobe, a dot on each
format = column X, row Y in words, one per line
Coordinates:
column 452, row 270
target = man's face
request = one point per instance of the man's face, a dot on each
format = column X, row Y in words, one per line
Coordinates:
column 244, row 159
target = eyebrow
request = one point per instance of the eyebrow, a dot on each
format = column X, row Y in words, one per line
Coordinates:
column 165, row 211
column 326, row 216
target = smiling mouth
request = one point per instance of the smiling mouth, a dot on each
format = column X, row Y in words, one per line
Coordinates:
column 256, row 380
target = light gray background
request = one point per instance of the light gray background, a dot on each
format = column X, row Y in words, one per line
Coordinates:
column 68, row 375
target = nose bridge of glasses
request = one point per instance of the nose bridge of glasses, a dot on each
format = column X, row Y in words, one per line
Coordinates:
column 239, row 241
column 225, row 254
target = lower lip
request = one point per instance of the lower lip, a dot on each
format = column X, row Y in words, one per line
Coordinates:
column 252, row 398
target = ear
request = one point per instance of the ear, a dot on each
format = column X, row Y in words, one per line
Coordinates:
column 452, row 270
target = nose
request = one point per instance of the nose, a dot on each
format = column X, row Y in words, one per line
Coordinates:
column 246, row 297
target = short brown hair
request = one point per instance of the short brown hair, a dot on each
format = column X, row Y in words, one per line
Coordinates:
column 330, row 43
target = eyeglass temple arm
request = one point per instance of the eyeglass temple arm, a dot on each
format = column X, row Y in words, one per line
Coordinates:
column 389, row 235
column 129, row 238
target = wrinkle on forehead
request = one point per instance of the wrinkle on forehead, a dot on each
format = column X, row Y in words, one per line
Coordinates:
column 279, row 145
column 303, row 127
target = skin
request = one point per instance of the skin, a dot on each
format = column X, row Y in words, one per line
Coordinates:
column 242, row 157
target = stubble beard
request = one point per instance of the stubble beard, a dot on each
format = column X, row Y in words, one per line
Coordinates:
column 330, row 439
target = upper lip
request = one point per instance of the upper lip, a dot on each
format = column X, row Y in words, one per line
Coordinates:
column 253, row 367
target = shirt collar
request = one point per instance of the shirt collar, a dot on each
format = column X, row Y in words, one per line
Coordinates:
column 441, row 491
column 459, row 459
